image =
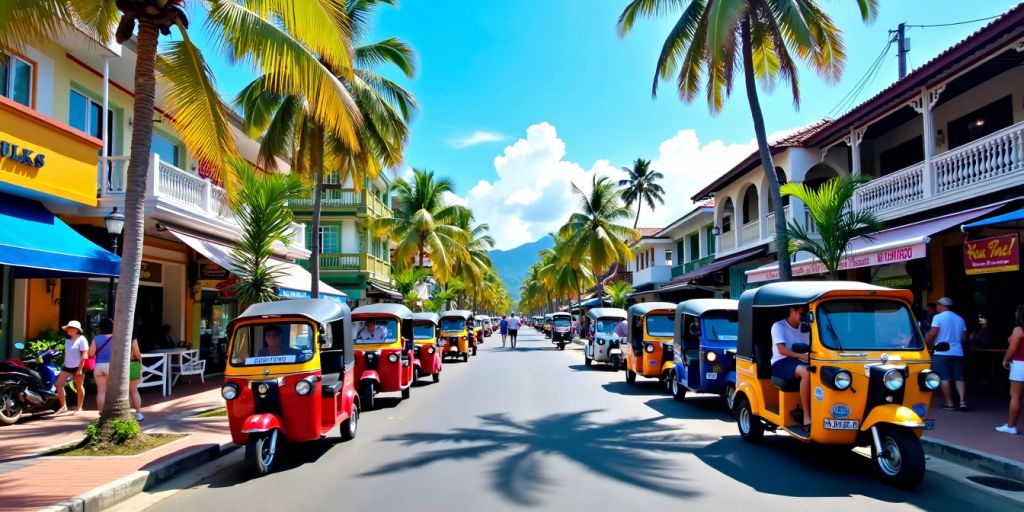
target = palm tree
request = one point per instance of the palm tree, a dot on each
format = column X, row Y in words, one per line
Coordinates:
column 261, row 207
column 425, row 225
column 712, row 38
column 292, row 46
column 593, row 232
column 641, row 187
column 288, row 130
column 831, row 209
column 618, row 292
column 475, row 267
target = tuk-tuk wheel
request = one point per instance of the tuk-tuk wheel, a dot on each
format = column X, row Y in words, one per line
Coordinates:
column 561, row 346
column 465, row 357
column 366, row 396
column 437, row 377
column 587, row 361
column 259, row 453
column 630, row 376
column 678, row 392
column 728, row 392
column 902, row 464
column 351, row 425
column 407, row 392
column 751, row 428
column 474, row 350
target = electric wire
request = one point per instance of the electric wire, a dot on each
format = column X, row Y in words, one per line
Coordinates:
column 952, row 24
column 864, row 82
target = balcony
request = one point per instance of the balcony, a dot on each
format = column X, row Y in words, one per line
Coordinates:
column 346, row 199
column 770, row 221
column 378, row 269
column 655, row 274
column 750, row 232
column 690, row 266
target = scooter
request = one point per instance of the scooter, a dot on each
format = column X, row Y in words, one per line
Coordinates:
column 28, row 386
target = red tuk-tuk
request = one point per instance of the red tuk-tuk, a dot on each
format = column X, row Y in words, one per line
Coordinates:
column 290, row 376
column 385, row 351
column 426, row 334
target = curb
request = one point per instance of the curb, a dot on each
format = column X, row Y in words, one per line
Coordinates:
column 126, row 487
column 974, row 459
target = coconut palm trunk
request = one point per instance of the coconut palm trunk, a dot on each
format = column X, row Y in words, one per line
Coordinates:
column 318, row 192
column 636, row 222
column 116, row 404
column 764, row 152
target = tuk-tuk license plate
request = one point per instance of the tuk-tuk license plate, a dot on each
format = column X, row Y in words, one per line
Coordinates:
column 929, row 424
column 711, row 376
column 834, row 424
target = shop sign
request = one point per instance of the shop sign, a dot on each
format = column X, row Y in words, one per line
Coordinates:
column 226, row 288
column 988, row 255
column 870, row 259
column 151, row 272
column 210, row 271
column 12, row 151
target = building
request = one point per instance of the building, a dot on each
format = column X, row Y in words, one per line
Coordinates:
column 668, row 262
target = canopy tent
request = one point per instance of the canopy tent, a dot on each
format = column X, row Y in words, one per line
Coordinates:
column 1009, row 220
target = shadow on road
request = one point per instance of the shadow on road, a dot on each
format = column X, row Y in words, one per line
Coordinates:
column 642, row 387
column 631, row 452
column 696, row 408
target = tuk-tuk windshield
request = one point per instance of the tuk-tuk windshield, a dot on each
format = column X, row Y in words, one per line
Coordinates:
column 423, row 331
column 605, row 326
column 452, row 324
column 267, row 344
column 660, row 325
column 867, row 324
column 561, row 322
column 376, row 330
column 720, row 327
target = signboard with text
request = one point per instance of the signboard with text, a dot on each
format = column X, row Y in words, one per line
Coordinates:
column 210, row 271
column 870, row 259
column 989, row 255
column 151, row 272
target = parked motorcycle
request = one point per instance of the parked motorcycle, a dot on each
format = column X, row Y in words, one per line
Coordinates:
column 28, row 386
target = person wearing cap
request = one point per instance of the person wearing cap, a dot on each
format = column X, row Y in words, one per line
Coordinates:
column 949, row 327
column 76, row 350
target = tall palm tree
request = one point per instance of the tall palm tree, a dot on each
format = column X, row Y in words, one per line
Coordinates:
column 713, row 38
column 831, row 209
column 424, row 224
column 641, row 187
column 475, row 267
column 593, row 231
column 292, row 43
column 288, row 130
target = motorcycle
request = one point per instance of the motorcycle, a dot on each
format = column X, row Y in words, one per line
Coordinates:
column 28, row 386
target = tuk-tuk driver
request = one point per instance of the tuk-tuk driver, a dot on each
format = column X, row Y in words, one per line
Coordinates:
column 788, row 364
column 370, row 332
column 273, row 337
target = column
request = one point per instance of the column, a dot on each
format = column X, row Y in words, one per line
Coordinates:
column 924, row 105
column 702, row 242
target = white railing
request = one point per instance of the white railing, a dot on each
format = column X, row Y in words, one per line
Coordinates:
column 112, row 177
column 770, row 222
column 809, row 224
column 750, row 232
column 896, row 189
column 343, row 197
column 727, row 241
column 984, row 159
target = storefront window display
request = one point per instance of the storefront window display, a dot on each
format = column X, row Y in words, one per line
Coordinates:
column 216, row 312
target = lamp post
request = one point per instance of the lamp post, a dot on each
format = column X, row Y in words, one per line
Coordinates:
column 115, row 223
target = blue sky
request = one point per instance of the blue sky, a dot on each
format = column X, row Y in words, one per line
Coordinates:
column 552, row 95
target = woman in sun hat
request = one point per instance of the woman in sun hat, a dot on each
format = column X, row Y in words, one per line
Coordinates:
column 76, row 351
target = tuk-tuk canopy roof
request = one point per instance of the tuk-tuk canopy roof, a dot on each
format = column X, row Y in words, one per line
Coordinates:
column 598, row 313
column 320, row 311
column 427, row 317
column 398, row 310
column 483, row 317
column 646, row 307
column 697, row 307
column 461, row 313
column 561, row 314
column 549, row 315
column 800, row 292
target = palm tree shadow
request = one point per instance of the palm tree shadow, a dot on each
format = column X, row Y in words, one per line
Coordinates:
column 629, row 452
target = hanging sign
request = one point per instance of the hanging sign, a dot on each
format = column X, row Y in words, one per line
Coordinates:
column 989, row 255
column 151, row 272
column 226, row 288
column 210, row 271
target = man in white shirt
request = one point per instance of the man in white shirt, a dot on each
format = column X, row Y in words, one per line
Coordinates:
column 370, row 332
column 788, row 364
column 513, row 329
column 949, row 327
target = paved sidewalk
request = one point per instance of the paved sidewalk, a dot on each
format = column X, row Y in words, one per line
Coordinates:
column 29, row 481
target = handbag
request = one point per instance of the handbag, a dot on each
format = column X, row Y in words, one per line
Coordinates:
column 90, row 362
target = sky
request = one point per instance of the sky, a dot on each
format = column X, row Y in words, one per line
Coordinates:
column 520, row 100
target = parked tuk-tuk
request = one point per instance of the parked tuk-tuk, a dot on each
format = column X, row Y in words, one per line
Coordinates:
column 385, row 350
column 290, row 376
column 426, row 332
column 547, row 325
column 605, row 346
column 456, row 332
column 561, row 329
column 485, row 325
column 704, row 348
column 869, row 371
column 478, row 331
column 650, row 340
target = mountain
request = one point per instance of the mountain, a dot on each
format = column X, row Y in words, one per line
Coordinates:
column 513, row 264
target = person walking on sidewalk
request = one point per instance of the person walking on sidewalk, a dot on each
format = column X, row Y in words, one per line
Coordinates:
column 100, row 350
column 950, row 328
column 76, row 351
column 503, row 328
column 513, row 329
column 1014, row 361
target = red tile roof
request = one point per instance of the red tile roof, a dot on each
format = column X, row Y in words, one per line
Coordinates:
column 646, row 232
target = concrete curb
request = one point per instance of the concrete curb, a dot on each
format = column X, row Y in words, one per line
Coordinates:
column 974, row 459
column 119, row 490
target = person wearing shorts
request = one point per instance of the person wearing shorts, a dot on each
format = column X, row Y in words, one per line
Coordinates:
column 100, row 350
column 790, row 365
column 513, row 329
column 503, row 326
column 76, row 351
column 1014, row 362
column 949, row 327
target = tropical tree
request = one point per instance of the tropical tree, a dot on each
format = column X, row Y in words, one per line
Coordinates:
column 261, row 206
column 476, row 266
column 831, row 209
column 424, row 224
column 618, row 292
column 289, row 130
column 641, row 187
column 712, row 39
column 406, row 280
column 593, row 232
column 297, row 45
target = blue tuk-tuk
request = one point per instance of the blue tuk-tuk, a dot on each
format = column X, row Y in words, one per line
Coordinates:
column 706, row 332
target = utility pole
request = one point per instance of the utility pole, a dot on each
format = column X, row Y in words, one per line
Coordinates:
column 902, row 47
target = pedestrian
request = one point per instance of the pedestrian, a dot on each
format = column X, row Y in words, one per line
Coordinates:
column 503, row 327
column 100, row 350
column 949, row 327
column 1014, row 361
column 134, row 377
column 76, row 351
column 513, row 329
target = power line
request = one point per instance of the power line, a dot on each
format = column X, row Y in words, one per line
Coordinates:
column 965, row 22
column 865, row 81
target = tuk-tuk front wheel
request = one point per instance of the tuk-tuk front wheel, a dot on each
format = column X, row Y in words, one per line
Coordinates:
column 260, row 451
column 586, row 360
column 901, row 462
column 678, row 392
column 727, row 394
column 751, row 428
column 437, row 377
column 474, row 350
column 367, row 393
column 630, row 376
column 561, row 346
column 407, row 392
column 351, row 425
column 465, row 357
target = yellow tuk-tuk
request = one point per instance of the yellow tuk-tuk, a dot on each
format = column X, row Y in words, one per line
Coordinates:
column 869, row 371
column 455, row 333
column 651, row 326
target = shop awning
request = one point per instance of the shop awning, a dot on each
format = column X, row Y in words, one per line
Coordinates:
column 37, row 244
column 715, row 266
column 380, row 290
column 292, row 281
column 1008, row 220
column 594, row 302
column 894, row 245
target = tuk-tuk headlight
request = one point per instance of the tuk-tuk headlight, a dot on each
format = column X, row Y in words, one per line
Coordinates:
column 842, row 380
column 393, row 357
column 649, row 348
column 893, row 380
column 430, row 350
column 229, row 391
column 600, row 341
column 928, row 380
column 303, row 387
column 711, row 356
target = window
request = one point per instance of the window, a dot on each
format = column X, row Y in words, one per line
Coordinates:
column 329, row 240
column 167, row 150
column 711, row 239
column 694, row 246
column 668, row 258
column 986, row 120
column 16, row 79
column 84, row 114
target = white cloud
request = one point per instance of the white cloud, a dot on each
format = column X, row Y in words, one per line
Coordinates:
column 477, row 137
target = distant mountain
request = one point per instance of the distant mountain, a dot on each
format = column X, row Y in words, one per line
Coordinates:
column 513, row 264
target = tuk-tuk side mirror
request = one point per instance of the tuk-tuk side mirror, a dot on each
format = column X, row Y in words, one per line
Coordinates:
column 19, row 345
column 801, row 348
column 325, row 338
column 694, row 329
column 805, row 327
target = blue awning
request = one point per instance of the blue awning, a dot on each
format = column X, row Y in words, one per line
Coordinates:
column 37, row 244
column 1006, row 218
column 594, row 302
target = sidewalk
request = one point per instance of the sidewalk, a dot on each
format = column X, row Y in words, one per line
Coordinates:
column 29, row 481
column 959, row 434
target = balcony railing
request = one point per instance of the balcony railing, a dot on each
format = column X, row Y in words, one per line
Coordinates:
column 987, row 158
column 727, row 241
column 690, row 266
column 770, row 221
column 750, row 232
column 349, row 198
column 894, row 190
column 356, row 262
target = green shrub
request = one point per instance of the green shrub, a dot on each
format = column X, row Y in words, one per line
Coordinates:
column 91, row 430
column 125, row 430
column 47, row 339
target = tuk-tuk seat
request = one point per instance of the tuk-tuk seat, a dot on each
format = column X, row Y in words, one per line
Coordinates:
column 331, row 362
column 786, row 385
column 331, row 384
column 691, row 355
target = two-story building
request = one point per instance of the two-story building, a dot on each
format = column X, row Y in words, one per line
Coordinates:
column 668, row 262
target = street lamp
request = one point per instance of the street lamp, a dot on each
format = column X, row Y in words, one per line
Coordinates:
column 115, row 223
column 715, row 231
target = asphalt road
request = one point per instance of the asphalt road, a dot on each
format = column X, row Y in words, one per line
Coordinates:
column 535, row 428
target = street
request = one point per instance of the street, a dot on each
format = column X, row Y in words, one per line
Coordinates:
column 535, row 428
